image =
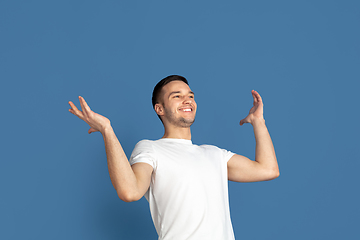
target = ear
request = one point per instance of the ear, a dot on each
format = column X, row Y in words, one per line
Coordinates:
column 159, row 109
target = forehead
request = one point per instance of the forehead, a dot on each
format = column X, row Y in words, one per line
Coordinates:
column 175, row 86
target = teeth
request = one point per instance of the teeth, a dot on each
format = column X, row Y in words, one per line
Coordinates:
column 187, row 110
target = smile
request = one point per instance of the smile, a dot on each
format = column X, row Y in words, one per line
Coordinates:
column 186, row 109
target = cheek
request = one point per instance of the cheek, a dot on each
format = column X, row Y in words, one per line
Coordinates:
column 172, row 108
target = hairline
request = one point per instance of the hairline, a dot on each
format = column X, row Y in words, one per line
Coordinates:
column 159, row 89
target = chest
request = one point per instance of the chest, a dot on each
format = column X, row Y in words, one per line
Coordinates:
column 188, row 165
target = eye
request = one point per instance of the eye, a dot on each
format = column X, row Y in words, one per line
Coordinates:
column 176, row 96
column 191, row 96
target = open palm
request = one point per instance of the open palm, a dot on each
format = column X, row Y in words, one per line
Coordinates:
column 256, row 112
column 96, row 121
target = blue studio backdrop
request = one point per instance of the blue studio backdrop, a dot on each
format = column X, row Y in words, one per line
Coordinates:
column 303, row 57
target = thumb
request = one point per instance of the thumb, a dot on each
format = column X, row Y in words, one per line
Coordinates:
column 91, row 130
column 245, row 120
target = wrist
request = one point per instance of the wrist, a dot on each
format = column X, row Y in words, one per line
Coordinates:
column 257, row 121
column 107, row 129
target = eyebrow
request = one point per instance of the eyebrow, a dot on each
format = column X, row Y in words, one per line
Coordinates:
column 175, row 92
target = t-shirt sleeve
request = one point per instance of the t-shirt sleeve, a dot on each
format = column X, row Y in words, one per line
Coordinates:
column 143, row 153
column 219, row 153
column 226, row 154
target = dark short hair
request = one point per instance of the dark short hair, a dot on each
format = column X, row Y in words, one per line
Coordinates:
column 157, row 89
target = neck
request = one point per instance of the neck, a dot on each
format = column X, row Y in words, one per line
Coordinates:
column 180, row 133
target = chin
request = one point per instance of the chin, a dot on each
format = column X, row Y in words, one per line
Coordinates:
column 187, row 122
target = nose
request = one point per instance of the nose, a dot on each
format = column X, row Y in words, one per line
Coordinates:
column 188, row 100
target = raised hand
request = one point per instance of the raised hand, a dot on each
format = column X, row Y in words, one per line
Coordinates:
column 97, row 122
column 256, row 112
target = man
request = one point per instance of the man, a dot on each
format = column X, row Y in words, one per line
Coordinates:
column 185, row 184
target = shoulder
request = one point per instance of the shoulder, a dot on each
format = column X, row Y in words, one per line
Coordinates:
column 145, row 142
column 216, row 151
column 143, row 152
column 144, row 145
column 210, row 147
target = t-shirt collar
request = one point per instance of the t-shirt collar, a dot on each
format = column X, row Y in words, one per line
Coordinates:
column 176, row 140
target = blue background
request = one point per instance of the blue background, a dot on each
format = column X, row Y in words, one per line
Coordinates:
column 303, row 57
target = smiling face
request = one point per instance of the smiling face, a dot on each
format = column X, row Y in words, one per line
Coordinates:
column 178, row 106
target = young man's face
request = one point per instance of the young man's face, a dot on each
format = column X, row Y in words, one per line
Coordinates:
column 178, row 106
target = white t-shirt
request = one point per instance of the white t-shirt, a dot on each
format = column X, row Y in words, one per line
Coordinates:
column 188, row 194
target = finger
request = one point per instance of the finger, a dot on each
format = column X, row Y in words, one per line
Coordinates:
column 91, row 130
column 72, row 105
column 84, row 105
column 253, row 92
column 82, row 100
column 74, row 110
column 243, row 121
column 258, row 97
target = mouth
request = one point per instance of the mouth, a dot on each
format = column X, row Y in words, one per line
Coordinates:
column 186, row 109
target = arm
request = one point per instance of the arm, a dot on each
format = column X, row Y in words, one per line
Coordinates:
column 265, row 166
column 130, row 182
